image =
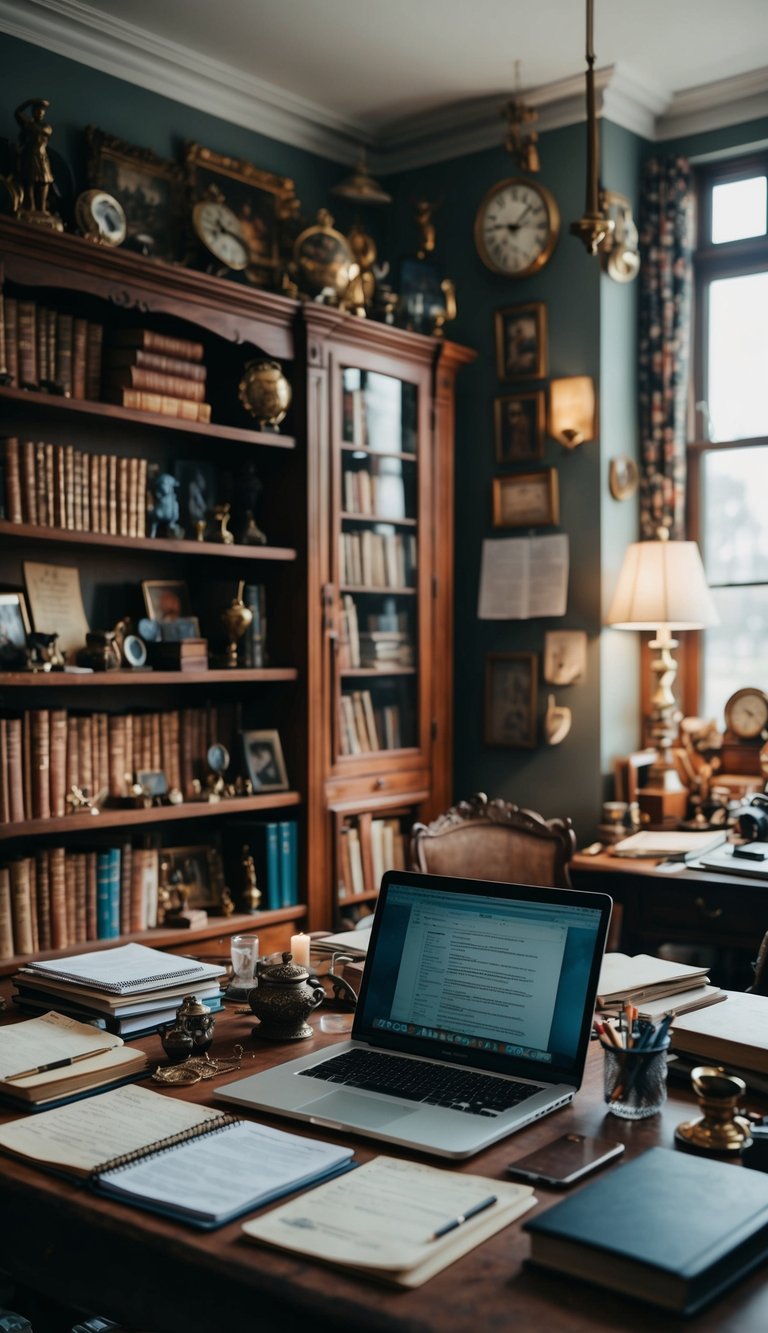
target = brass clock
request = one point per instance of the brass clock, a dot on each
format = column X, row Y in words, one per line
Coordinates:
column 517, row 227
column 746, row 721
column 323, row 257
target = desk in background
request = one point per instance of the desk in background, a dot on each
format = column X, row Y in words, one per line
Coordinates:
column 154, row 1274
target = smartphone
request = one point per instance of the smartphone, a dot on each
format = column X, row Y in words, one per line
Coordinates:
column 565, row 1160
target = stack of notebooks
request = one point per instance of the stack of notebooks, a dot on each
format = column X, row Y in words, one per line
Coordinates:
column 735, row 1035
column 131, row 990
column 654, row 986
column 53, row 1059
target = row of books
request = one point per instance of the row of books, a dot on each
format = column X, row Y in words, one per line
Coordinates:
column 274, row 846
column 381, row 649
column 59, row 897
column 378, row 560
column 364, row 727
column 58, row 486
column 382, row 493
column 46, row 752
column 154, row 372
column 50, row 349
column 378, row 412
column 366, row 850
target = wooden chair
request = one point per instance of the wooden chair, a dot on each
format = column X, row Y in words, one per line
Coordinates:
column 495, row 840
column 760, row 982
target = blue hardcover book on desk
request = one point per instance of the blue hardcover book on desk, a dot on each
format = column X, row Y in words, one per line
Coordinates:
column 668, row 1228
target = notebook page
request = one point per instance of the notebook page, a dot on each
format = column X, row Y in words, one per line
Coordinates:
column 52, row 1037
column 128, row 967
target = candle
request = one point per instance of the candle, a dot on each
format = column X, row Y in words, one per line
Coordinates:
column 300, row 949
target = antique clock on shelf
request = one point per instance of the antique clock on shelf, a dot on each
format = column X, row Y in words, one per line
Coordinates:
column 220, row 240
column 746, row 731
column 323, row 258
column 517, row 227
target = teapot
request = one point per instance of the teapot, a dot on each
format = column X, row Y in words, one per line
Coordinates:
column 282, row 999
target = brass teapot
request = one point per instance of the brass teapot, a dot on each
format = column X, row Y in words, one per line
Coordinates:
column 282, row 999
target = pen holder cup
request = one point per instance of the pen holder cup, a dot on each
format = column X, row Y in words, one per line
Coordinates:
column 635, row 1081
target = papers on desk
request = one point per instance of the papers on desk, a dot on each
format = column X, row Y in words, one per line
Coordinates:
column 644, row 977
column 123, row 970
column 680, row 844
column 382, row 1219
column 353, row 943
column 86, row 1059
column 735, row 1033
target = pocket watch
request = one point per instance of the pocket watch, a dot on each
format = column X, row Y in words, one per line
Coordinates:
column 517, row 227
column 218, row 230
column 323, row 257
column 101, row 217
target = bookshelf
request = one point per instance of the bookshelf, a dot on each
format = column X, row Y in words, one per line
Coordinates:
column 364, row 459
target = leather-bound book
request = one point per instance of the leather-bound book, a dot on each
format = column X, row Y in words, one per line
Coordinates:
column 41, row 489
column 174, row 766
column 51, row 319
column 69, row 897
column 3, row 360
column 13, row 505
column 6, row 917
column 41, row 344
column 12, row 339
column 20, row 905
column 5, row 795
column 103, row 493
column 156, row 754
column 73, row 755
column 81, row 923
column 130, row 766
column 133, row 497
column 112, row 510
column 123, row 518
column 91, row 893
column 186, row 751
column 60, row 487
column 57, row 883
column 85, row 746
column 117, row 756
column 28, row 486
column 58, row 761
column 155, row 381
column 26, row 763
column 126, row 875
column 101, row 741
column 141, row 515
column 93, row 352
column 137, row 910
column 27, row 340
column 86, row 492
column 15, row 770
column 158, row 342
column 77, row 488
column 69, row 487
column 161, row 404
column 94, row 492
column 50, row 486
column 79, row 337
column 43, row 893
column 119, row 357
column 64, row 345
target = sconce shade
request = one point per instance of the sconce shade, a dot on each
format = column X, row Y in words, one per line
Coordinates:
column 572, row 410
column 662, row 583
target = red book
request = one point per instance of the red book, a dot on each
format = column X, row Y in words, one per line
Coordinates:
column 119, row 357
column 79, row 336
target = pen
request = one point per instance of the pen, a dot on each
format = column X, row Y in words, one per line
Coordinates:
column 55, row 1064
column 464, row 1217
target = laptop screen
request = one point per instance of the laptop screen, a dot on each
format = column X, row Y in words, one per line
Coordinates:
column 498, row 976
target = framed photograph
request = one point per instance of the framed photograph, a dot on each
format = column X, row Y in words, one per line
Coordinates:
column 197, row 492
column 195, row 875
column 258, row 198
column 521, row 342
column 510, row 699
column 55, row 602
column 519, row 421
column 422, row 295
column 565, row 656
column 527, row 500
column 166, row 599
column 14, row 628
column 150, row 188
column 264, row 760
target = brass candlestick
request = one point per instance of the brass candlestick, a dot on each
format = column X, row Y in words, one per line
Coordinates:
column 720, row 1129
column 236, row 619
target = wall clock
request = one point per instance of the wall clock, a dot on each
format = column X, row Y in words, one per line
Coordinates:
column 218, row 230
column 517, row 227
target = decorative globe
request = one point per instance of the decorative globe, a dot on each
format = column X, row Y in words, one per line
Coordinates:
column 265, row 392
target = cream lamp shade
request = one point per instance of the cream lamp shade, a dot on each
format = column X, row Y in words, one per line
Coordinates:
column 662, row 583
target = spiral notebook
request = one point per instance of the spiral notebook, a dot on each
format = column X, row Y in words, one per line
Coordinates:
column 193, row 1163
column 120, row 971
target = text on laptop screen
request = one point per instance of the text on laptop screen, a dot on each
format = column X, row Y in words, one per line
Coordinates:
column 503, row 978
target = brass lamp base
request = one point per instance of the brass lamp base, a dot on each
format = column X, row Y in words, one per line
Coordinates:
column 720, row 1129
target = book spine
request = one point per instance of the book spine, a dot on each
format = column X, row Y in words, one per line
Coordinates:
column 5, row 785
column 57, row 880
column 77, row 482
column 41, row 764
column 91, row 894
column 150, row 887
column 93, row 351
column 85, row 749
column 51, row 318
column 6, row 916
column 27, row 339
column 64, row 348
column 121, row 357
column 112, row 509
column 126, row 873
column 79, row 339
column 43, row 890
column 117, row 756
column 41, row 489
column 21, row 908
column 161, row 404
column 137, row 919
column 155, row 381
column 159, row 342
column 41, row 343
column 81, row 920
column 3, row 358
column 12, row 339
column 13, row 505
column 114, row 892
column 70, row 891
column 58, row 761
column 143, row 505
column 26, row 763
column 69, row 487
column 104, row 895
column 85, row 498
column 15, row 770
column 28, row 487
column 272, row 858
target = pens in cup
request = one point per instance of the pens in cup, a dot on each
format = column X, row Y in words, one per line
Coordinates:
column 464, row 1217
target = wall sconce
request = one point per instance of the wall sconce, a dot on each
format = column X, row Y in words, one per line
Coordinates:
column 572, row 410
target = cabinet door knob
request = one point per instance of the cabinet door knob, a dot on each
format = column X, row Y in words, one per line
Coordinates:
column 712, row 912
column 379, row 784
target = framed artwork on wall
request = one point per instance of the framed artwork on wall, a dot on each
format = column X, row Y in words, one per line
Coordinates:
column 521, row 341
column 526, row 500
column 510, row 699
column 150, row 189
column 519, row 427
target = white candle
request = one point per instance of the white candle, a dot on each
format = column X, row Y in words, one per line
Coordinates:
column 300, row 949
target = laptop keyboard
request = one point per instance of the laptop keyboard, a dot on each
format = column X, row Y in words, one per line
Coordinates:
column 416, row 1081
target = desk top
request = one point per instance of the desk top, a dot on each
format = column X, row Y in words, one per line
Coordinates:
column 155, row 1274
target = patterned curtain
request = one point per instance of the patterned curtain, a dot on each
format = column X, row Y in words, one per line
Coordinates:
column 666, row 225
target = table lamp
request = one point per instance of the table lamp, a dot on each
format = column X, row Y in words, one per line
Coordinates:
column 662, row 587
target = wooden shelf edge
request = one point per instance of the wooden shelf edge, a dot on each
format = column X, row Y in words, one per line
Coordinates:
column 352, row 898
column 177, row 546
column 163, row 814
column 53, row 680
column 163, row 936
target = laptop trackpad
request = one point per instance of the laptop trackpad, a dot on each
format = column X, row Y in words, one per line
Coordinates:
column 348, row 1108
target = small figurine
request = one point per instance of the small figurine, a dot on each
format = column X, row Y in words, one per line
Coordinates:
column 35, row 176
column 164, row 517
column 42, row 653
column 251, row 890
column 249, row 490
column 222, row 533
column 423, row 210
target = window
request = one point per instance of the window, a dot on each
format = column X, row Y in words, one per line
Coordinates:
column 728, row 458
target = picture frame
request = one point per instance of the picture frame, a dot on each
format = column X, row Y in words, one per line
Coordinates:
column 565, row 656
column 422, row 296
column 260, row 199
column 263, row 754
column 526, row 500
column 197, row 870
column 150, row 189
column 166, row 599
column 14, row 628
column 623, row 477
column 510, row 700
column 521, row 341
column 519, row 421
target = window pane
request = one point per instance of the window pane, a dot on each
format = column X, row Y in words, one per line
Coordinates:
column 736, row 650
column 737, row 357
column 738, row 210
column 735, row 529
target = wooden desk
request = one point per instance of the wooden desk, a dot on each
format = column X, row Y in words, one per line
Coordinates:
column 153, row 1274
column 684, row 905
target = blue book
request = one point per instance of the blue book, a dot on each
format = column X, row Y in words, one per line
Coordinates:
column 115, row 860
column 103, row 894
column 288, row 871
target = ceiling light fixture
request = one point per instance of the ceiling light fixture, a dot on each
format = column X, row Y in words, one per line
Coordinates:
column 360, row 187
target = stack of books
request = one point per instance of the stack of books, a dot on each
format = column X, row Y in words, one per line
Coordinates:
column 131, row 990
column 53, row 1059
column 156, row 373
column 654, row 986
column 179, row 655
column 735, row 1035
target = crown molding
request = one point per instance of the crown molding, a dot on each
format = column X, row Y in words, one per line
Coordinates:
column 105, row 42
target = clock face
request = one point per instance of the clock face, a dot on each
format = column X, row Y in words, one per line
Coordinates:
column 516, row 228
column 101, row 217
column 220, row 232
column 746, row 713
column 324, row 257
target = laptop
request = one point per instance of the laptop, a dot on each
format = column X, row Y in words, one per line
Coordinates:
column 473, row 1019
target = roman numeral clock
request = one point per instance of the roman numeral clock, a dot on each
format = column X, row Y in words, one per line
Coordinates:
column 517, row 227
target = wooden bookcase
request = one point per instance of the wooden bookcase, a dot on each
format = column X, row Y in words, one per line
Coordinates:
column 324, row 353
